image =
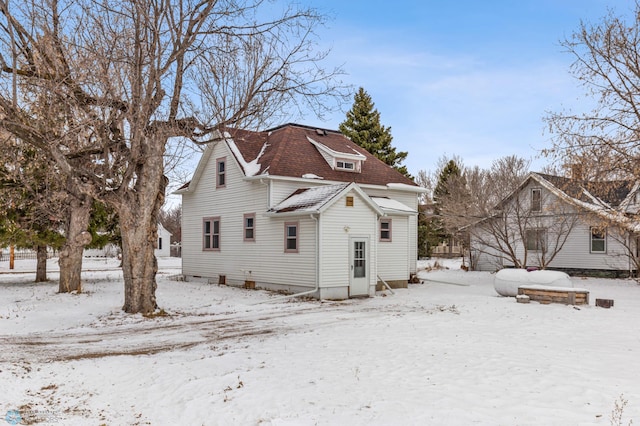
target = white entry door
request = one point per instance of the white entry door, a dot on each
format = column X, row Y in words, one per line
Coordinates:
column 359, row 265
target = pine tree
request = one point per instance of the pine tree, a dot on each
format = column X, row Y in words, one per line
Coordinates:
column 31, row 206
column 363, row 127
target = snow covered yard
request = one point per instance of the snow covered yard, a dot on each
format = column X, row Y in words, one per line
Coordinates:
column 446, row 352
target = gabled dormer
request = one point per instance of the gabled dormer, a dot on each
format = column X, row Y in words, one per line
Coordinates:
column 349, row 161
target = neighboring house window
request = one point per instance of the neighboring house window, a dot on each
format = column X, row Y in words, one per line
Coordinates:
column 250, row 227
column 211, row 233
column 160, row 243
column 598, row 240
column 536, row 200
column 221, row 172
column 536, row 239
column 349, row 201
column 385, row 229
column 291, row 237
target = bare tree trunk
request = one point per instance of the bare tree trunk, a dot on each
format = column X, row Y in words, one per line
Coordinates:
column 72, row 251
column 139, row 228
column 41, row 267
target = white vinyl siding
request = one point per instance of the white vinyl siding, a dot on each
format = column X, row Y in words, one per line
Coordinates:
column 264, row 260
column 392, row 256
column 338, row 223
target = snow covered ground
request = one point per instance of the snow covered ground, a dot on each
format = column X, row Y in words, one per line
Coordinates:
column 449, row 351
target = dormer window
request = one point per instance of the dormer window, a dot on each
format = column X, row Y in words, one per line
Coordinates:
column 345, row 165
column 346, row 159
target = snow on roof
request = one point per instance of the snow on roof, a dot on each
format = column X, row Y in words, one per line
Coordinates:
column 252, row 167
column 311, row 176
column 389, row 205
column 309, row 199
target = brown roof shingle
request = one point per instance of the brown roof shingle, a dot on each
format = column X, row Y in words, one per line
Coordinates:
column 289, row 153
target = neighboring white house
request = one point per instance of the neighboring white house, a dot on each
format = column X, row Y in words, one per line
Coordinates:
column 560, row 223
column 301, row 210
column 111, row 250
column 163, row 248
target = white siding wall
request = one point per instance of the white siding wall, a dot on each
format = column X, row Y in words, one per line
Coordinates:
column 392, row 255
column 410, row 199
column 265, row 257
column 361, row 222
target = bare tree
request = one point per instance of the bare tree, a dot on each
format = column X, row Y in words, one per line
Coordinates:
column 522, row 235
column 604, row 142
column 171, row 219
column 607, row 64
column 125, row 70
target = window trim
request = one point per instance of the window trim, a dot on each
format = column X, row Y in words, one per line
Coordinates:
column 287, row 225
column 223, row 174
column 541, row 243
column 536, row 205
column 245, row 227
column 210, row 236
column 389, row 230
column 603, row 239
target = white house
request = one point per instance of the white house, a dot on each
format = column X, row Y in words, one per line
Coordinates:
column 164, row 241
column 301, row 210
column 567, row 224
column 112, row 250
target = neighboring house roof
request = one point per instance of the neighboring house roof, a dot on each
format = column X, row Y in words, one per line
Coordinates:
column 317, row 199
column 298, row 151
column 610, row 193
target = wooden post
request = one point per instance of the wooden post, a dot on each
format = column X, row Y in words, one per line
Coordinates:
column 12, row 256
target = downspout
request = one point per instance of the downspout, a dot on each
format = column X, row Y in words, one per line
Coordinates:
column 317, row 268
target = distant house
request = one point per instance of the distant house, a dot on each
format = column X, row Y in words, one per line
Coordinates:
column 301, row 210
column 164, row 242
column 561, row 223
column 112, row 250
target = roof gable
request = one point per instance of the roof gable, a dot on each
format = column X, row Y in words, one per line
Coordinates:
column 319, row 198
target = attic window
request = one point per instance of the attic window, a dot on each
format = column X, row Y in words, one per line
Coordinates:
column 346, row 165
column 536, row 200
column 349, row 201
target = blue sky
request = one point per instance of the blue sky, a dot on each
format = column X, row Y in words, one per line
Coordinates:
column 469, row 78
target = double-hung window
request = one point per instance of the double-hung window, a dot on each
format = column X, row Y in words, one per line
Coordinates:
column 385, row 229
column 250, row 227
column 598, row 240
column 291, row 237
column 211, row 233
column 536, row 239
column 221, row 172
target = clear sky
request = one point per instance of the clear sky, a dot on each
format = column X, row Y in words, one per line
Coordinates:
column 472, row 78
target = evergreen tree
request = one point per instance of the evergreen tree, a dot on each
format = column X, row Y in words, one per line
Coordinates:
column 31, row 204
column 448, row 175
column 363, row 127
